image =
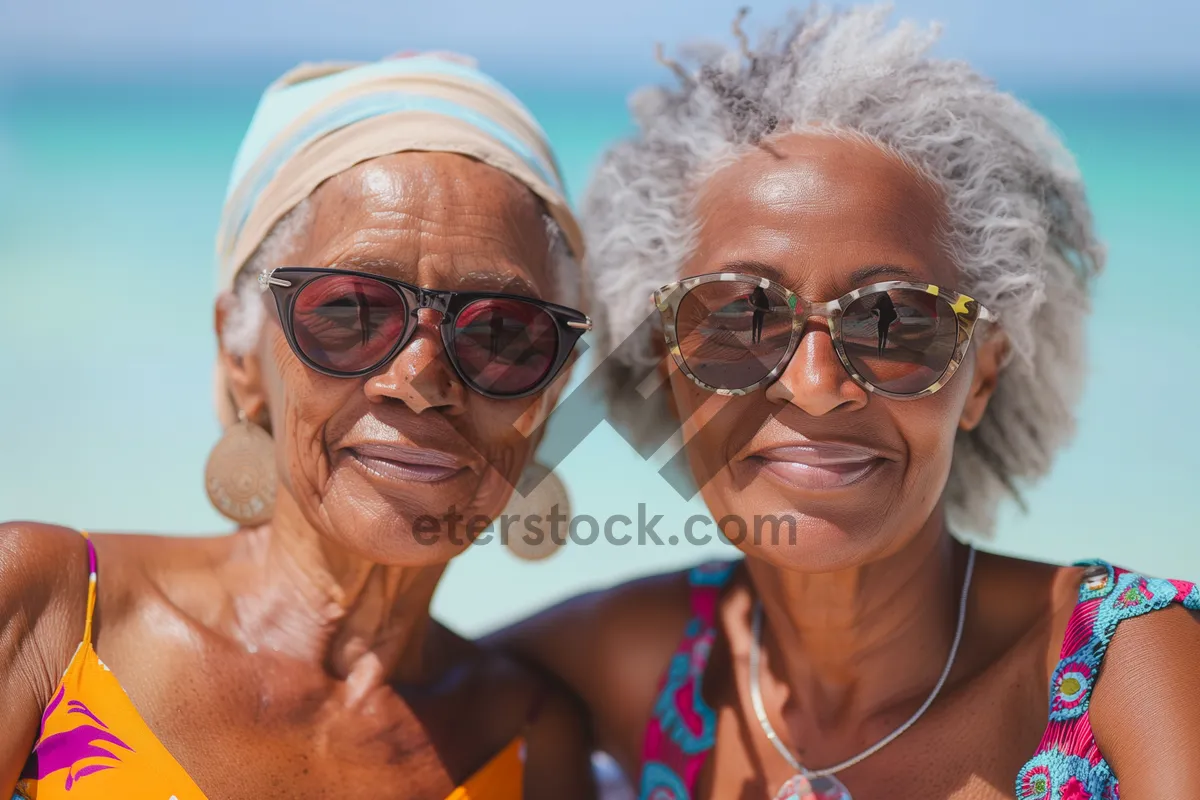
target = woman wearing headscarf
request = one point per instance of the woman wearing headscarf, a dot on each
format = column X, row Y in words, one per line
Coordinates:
column 398, row 276
column 927, row 254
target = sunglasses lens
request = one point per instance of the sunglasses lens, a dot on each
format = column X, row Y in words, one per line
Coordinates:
column 731, row 334
column 505, row 346
column 347, row 323
column 901, row 340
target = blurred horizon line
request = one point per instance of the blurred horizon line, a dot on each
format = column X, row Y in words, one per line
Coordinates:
column 240, row 72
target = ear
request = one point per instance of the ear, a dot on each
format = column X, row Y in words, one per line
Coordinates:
column 991, row 355
column 243, row 373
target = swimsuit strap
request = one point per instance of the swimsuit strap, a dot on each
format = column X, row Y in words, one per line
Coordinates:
column 1108, row 595
column 91, row 600
column 1068, row 762
column 683, row 728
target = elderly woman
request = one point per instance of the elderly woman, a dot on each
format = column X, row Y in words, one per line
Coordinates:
column 408, row 222
column 871, row 270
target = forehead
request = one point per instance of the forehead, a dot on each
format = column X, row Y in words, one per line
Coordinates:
column 432, row 218
column 425, row 177
column 817, row 209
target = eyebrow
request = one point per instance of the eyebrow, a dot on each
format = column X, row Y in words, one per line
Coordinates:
column 384, row 267
column 478, row 280
column 860, row 276
column 499, row 282
column 864, row 274
column 757, row 268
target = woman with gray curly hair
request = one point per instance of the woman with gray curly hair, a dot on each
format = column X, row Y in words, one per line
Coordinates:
column 870, row 270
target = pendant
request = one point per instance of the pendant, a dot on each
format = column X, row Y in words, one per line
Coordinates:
column 799, row 787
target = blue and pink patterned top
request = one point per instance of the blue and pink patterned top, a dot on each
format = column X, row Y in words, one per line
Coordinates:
column 1067, row 765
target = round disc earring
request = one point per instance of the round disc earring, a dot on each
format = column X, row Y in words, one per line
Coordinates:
column 538, row 497
column 240, row 476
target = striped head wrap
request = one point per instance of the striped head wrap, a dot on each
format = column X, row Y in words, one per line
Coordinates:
column 321, row 119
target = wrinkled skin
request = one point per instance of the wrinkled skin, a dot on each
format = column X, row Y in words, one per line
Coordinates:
column 860, row 608
column 298, row 658
column 479, row 230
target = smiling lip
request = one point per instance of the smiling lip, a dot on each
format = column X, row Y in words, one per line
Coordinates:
column 397, row 463
column 814, row 466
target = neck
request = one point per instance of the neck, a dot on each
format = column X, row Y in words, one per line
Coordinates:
column 858, row 642
column 300, row 594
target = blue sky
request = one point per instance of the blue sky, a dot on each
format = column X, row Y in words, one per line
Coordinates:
column 1047, row 41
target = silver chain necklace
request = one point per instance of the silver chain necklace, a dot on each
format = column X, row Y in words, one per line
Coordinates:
column 820, row 784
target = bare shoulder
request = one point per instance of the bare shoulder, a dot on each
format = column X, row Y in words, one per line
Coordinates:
column 516, row 699
column 1145, row 708
column 619, row 629
column 44, row 571
column 1021, row 610
column 176, row 573
column 43, row 599
column 610, row 649
column 29, row 545
column 157, row 553
column 505, row 692
column 1143, row 655
column 505, row 699
column 42, row 567
column 1037, row 586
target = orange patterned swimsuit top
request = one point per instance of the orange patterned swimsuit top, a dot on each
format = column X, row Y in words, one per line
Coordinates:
column 93, row 744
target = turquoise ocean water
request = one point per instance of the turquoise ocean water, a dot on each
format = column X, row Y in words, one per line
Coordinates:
column 109, row 196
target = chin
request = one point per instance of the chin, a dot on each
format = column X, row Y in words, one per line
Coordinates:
column 417, row 529
column 800, row 534
column 821, row 553
column 397, row 542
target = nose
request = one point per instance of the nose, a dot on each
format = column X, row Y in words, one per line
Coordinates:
column 420, row 375
column 815, row 381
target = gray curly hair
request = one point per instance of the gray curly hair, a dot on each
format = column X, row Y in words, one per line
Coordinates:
column 1018, row 224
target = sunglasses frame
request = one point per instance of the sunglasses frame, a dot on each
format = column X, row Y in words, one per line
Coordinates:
column 286, row 283
column 967, row 312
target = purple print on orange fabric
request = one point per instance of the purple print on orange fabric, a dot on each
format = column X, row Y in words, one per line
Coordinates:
column 69, row 749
